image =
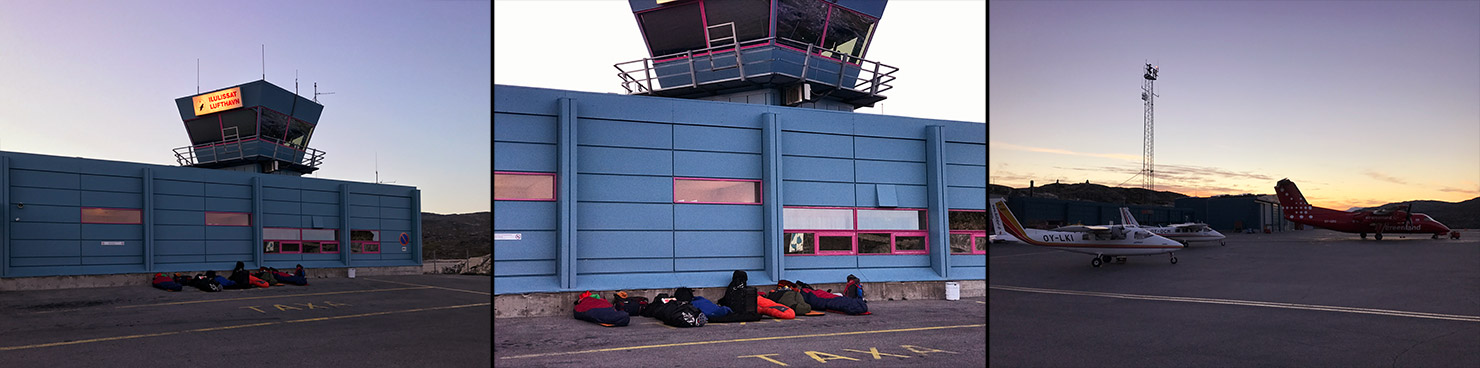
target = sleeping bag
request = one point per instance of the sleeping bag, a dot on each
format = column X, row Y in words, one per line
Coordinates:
column 822, row 300
column 774, row 309
column 205, row 283
column 288, row 278
column 793, row 299
column 166, row 283
column 590, row 307
column 677, row 313
column 633, row 305
column 710, row 309
column 239, row 277
column 254, row 281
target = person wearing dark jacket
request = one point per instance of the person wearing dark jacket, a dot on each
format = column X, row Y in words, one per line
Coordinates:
column 225, row 283
column 166, row 283
column 288, row 278
column 240, row 277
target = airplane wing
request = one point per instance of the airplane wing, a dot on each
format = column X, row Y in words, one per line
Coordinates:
column 1083, row 229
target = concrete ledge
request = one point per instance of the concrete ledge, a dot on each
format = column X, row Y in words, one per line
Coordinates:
column 560, row 304
column 146, row 279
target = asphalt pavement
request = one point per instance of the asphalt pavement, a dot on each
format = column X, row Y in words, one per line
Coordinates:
column 376, row 321
column 901, row 333
column 1313, row 298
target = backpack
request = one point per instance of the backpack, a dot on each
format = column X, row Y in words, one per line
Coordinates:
column 633, row 305
column 680, row 313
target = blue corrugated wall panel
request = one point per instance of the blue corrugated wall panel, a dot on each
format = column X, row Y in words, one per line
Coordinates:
column 624, row 216
column 966, row 154
column 624, row 244
column 801, row 193
column 816, row 169
column 966, row 176
column 634, row 161
column 699, row 138
column 521, row 215
column 880, row 261
column 45, row 248
column 888, row 172
column 716, row 165
column 719, row 264
column 966, row 198
column 889, row 149
column 625, row 188
column 524, row 128
column 812, row 144
column 524, row 268
column 532, row 157
column 625, row 266
column 534, row 245
column 718, row 244
column 106, row 183
column 814, row 262
column 907, row 196
column 717, row 217
column 57, row 197
column 601, row 132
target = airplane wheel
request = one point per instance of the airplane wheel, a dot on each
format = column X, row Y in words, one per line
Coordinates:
column 1222, row 244
column 1095, row 262
column 1364, row 235
column 1377, row 236
column 1174, row 259
column 1436, row 237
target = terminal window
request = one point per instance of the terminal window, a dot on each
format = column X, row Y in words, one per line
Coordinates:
column 716, row 191
column 848, row 231
column 228, row 219
column 364, row 241
column 93, row 215
column 514, row 186
column 968, row 232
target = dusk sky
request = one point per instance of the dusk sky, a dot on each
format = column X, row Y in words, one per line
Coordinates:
column 98, row 79
column 939, row 47
column 1360, row 103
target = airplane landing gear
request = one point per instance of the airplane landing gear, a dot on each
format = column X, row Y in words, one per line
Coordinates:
column 1095, row 262
column 1221, row 243
column 1174, row 258
column 1377, row 236
column 1436, row 236
column 1364, row 235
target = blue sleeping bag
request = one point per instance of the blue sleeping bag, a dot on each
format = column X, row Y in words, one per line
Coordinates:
column 710, row 309
column 835, row 303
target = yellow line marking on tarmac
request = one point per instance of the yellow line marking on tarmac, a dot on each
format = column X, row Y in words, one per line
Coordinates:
column 982, row 302
column 207, row 329
column 435, row 287
column 1328, row 308
column 272, row 296
column 739, row 340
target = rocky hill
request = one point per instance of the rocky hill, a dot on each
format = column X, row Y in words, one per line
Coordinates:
column 1462, row 215
column 1092, row 192
column 457, row 235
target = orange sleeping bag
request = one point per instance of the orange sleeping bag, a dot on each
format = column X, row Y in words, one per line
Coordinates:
column 257, row 282
column 774, row 309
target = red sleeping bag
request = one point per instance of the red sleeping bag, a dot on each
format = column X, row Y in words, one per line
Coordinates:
column 257, row 282
column 590, row 307
column 774, row 309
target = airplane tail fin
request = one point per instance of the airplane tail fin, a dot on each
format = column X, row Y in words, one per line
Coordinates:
column 1290, row 198
column 1008, row 221
column 996, row 221
column 1127, row 219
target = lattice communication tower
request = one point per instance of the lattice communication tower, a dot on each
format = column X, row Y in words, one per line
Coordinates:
column 1148, row 153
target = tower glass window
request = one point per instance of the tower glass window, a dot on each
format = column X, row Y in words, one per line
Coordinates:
column 673, row 29
column 752, row 19
column 298, row 134
column 205, row 130
column 800, row 22
column 274, row 125
column 245, row 121
column 847, row 34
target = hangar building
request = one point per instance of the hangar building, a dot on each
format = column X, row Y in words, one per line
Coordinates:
column 237, row 196
column 737, row 148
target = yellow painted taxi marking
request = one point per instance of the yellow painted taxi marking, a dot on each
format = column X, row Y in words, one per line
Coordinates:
column 273, row 296
column 21, row 347
column 435, row 287
column 1252, row 303
column 740, row 340
column 283, row 308
column 822, row 357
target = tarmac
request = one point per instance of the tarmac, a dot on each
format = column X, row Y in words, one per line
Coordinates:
column 368, row 321
column 1310, row 298
column 899, row 333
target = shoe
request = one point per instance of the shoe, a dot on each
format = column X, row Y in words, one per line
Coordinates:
column 804, row 285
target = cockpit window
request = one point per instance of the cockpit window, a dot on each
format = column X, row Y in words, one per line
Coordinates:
column 1141, row 235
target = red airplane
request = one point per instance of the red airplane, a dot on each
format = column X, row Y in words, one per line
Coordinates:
column 1297, row 210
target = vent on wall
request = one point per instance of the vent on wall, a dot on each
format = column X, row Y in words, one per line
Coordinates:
column 798, row 94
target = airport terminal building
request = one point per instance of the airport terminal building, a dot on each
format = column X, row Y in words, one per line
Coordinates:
column 237, row 196
column 735, row 148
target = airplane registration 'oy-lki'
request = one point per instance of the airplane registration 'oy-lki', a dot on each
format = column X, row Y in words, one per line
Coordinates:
column 1185, row 232
column 1103, row 242
column 1297, row 210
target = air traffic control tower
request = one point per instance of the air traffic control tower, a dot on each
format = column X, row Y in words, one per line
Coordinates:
column 255, row 127
column 801, row 53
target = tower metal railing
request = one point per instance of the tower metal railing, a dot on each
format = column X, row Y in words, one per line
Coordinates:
column 852, row 73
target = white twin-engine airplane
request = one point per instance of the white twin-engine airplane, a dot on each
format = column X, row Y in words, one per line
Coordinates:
column 1185, row 233
column 1103, row 242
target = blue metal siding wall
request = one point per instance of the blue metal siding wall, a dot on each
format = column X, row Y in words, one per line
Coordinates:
column 49, row 238
column 629, row 233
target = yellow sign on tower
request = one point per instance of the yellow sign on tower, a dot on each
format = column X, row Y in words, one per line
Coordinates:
column 217, row 101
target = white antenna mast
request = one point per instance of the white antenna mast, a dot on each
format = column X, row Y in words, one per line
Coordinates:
column 197, row 76
column 264, row 61
column 316, row 92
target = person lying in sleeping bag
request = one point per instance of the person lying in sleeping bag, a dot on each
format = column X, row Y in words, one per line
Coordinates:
column 200, row 281
column 786, row 294
column 166, row 283
column 590, row 307
column 225, row 283
column 295, row 278
column 710, row 309
column 822, row 300
column 774, row 309
column 240, row 277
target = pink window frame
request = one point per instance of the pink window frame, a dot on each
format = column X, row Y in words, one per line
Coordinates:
column 853, row 234
column 139, row 211
column 284, row 241
column 554, row 186
column 323, row 243
column 282, row 246
column 760, row 187
column 970, row 242
column 249, row 219
column 362, row 247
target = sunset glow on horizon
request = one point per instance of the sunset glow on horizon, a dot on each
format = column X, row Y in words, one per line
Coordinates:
column 1360, row 104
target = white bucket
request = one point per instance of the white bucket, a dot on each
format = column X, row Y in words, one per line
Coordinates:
column 953, row 291
column 351, row 273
